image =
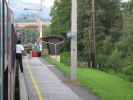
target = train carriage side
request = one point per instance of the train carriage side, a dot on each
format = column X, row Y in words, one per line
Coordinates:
column 1, row 50
column 11, row 54
column 7, row 52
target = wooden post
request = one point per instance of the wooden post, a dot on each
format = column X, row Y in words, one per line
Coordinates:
column 93, row 37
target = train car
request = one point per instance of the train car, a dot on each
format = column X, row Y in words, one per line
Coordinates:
column 7, row 52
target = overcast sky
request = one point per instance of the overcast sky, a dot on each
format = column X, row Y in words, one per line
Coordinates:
column 31, row 3
column 19, row 5
column 125, row 0
column 47, row 3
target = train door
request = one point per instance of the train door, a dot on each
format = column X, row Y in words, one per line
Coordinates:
column 11, row 71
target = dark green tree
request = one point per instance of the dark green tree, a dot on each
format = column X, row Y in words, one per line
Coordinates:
column 108, row 26
column 60, row 17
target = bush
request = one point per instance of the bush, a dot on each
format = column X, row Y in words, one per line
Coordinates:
column 115, row 60
column 65, row 58
column 128, row 71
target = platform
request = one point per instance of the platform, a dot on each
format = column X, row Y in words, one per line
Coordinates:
column 43, row 84
column 23, row 90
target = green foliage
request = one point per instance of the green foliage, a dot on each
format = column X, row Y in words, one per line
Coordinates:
column 108, row 28
column 114, row 32
column 124, row 45
column 108, row 87
column 128, row 70
column 65, row 58
column 60, row 24
column 60, row 17
column 108, row 32
column 29, row 35
column 46, row 30
column 114, row 61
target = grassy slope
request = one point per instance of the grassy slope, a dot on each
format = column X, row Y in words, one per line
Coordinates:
column 108, row 87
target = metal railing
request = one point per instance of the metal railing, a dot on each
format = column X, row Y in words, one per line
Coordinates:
column 54, row 44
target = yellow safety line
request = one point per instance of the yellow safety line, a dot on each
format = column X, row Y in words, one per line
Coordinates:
column 39, row 94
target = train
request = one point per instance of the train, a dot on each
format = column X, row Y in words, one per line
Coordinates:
column 7, row 52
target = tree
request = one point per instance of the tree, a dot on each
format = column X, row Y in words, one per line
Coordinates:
column 61, row 17
column 108, row 22
column 125, row 44
column 60, row 24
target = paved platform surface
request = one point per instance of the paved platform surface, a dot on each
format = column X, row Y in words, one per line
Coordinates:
column 43, row 84
column 81, row 91
column 23, row 90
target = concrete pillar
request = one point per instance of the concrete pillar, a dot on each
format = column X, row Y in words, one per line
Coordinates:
column 40, row 32
column 74, row 40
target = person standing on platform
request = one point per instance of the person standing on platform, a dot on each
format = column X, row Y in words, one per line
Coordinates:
column 19, row 51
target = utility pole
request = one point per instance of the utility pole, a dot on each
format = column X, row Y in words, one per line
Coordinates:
column 40, row 25
column 40, row 32
column 74, row 40
column 93, row 37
